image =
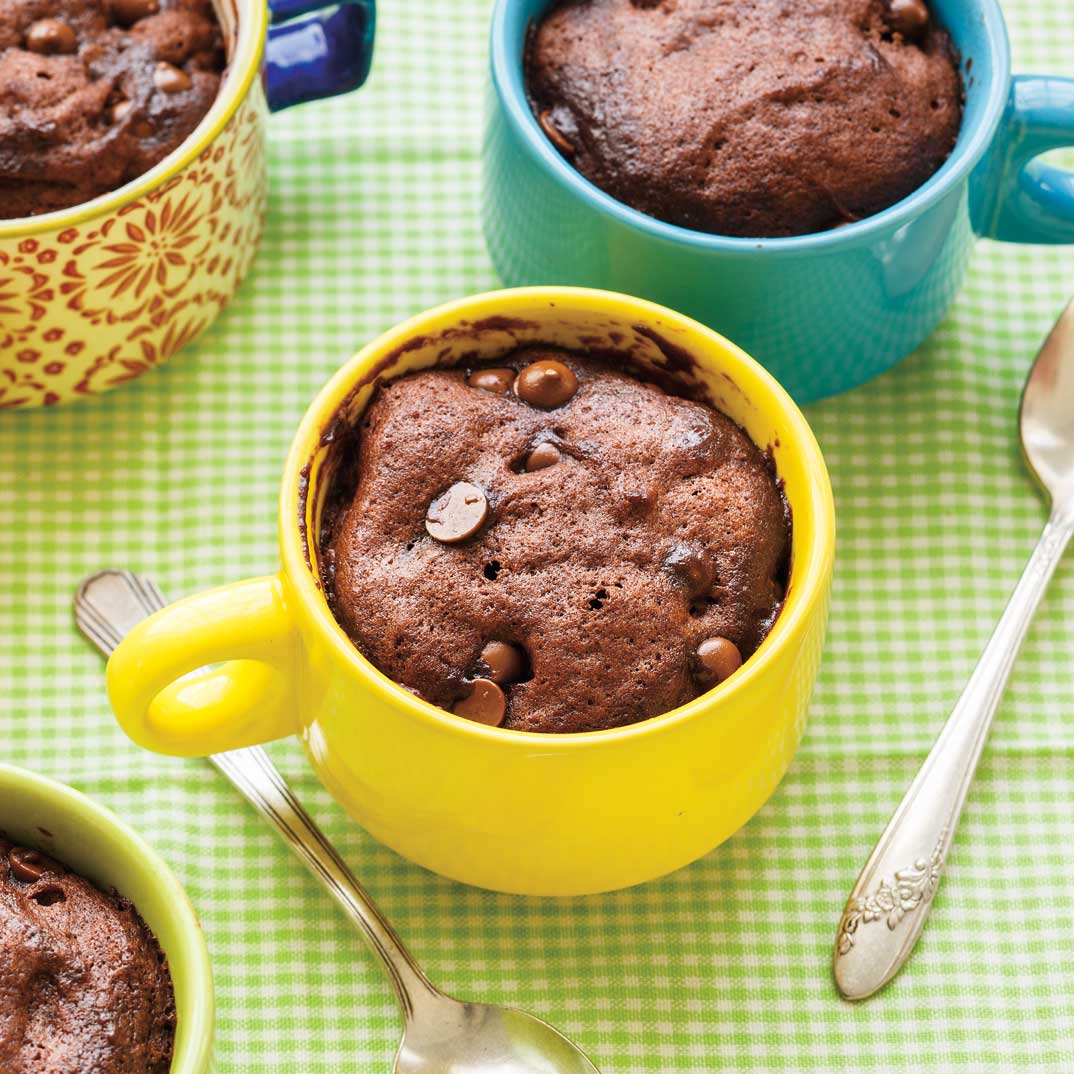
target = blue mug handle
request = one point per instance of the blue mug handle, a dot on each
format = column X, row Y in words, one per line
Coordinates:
column 1034, row 201
column 315, row 51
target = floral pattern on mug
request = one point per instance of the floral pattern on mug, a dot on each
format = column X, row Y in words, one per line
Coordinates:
column 88, row 307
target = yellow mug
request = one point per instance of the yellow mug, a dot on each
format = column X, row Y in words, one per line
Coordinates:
column 513, row 811
column 97, row 294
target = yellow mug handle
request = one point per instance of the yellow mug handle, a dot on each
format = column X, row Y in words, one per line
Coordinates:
column 249, row 699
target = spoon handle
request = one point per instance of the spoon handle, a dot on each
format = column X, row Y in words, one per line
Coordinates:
column 890, row 901
column 112, row 602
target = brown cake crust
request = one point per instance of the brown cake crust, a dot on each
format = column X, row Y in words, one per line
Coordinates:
column 661, row 525
column 747, row 117
column 76, row 124
column 84, row 987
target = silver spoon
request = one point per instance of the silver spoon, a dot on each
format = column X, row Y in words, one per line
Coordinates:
column 890, row 901
column 441, row 1035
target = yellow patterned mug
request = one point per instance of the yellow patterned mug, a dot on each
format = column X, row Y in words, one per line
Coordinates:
column 95, row 295
column 514, row 811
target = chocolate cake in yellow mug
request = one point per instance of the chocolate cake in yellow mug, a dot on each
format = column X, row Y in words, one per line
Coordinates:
column 497, row 806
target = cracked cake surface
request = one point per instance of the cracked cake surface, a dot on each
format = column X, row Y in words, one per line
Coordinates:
column 548, row 543
column 748, row 117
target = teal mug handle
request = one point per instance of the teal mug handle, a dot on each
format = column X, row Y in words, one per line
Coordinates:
column 1034, row 201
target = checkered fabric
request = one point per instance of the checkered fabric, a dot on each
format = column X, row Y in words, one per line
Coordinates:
column 725, row 965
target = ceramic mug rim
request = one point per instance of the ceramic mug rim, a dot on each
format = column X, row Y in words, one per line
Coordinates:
column 88, row 815
column 243, row 67
column 508, row 83
column 804, row 599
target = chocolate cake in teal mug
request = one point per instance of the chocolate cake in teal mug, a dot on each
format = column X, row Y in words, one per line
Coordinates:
column 824, row 311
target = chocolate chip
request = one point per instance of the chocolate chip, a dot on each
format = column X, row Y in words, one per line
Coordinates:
column 27, row 865
column 504, row 662
column 128, row 12
column 50, row 37
column 170, row 79
column 120, row 110
column 908, row 17
column 457, row 514
column 484, row 704
column 691, row 565
column 492, row 380
column 717, row 659
column 543, row 456
column 554, row 134
column 546, row 384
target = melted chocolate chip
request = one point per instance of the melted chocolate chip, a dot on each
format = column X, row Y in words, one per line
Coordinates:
column 170, row 79
column 484, row 704
column 691, row 565
column 546, row 384
column 50, row 37
column 504, row 662
column 717, row 659
column 908, row 17
column 492, row 380
column 457, row 514
column 128, row 12
column 542, row 456
column 28, row 865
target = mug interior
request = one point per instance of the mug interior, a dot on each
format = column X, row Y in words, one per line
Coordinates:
column 244, row 24
column 979, row 34
column 66, row 825
column 648, row 340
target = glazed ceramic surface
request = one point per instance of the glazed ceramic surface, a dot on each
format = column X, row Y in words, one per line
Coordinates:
column 95, row 295
column 517, row 812
column 822, row 312
column 41, row 813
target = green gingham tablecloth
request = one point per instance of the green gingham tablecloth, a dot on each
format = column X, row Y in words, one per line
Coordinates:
column 725, row 965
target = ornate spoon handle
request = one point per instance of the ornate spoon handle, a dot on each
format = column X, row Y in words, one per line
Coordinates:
column 891, row 899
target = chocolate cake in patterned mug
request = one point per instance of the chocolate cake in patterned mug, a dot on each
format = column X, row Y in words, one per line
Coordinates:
column 96, row 292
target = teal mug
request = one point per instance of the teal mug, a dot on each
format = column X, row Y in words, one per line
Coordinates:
column 824, row 312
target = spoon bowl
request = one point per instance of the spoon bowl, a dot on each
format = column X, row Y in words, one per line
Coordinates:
column 452, row 1037
column 1047, row 414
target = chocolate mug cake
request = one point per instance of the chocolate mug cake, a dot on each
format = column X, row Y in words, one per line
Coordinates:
column 550, row 544
column 93, row 93
column 754, row 118
column 84, row 986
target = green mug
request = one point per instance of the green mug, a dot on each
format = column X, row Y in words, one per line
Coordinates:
column 66, row 825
